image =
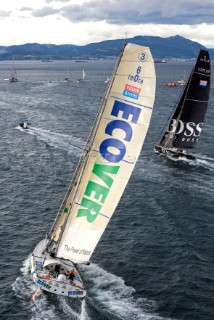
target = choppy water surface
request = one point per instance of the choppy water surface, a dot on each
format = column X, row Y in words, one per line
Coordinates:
column 155, row 260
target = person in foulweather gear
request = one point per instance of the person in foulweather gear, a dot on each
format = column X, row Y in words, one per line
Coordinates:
column 70, row 275
column 57, row 269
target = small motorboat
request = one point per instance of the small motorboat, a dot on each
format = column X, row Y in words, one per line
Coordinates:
column 170, row 84
column 67, row 80
column 24, row 125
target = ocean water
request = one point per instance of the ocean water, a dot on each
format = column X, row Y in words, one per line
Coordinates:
column 155, row 260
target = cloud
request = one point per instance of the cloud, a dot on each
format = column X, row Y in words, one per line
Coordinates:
column 26, row 9
column 141, row 11
column 49, row 1
column 45, row 11
column 4, row 14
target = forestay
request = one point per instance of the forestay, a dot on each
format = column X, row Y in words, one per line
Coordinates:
column 111, row 154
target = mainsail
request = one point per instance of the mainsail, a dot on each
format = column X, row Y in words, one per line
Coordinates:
column 187, row 121
column 109, row 157
column 12, row 74
column 83, row 74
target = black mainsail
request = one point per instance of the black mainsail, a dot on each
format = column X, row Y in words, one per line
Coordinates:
column 187, row 121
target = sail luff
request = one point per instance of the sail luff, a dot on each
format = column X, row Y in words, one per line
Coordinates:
column 117, row 142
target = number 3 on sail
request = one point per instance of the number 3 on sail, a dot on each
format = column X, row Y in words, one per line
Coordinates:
column 101, row 176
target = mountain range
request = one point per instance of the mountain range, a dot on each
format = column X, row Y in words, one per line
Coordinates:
column 175, row 47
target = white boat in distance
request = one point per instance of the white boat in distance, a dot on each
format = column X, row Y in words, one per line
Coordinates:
column 83, row 76
column 13, row 75
column 101, row 176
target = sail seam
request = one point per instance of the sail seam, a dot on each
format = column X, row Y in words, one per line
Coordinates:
column 137, row 104
column 93, row 210
column 197, row 100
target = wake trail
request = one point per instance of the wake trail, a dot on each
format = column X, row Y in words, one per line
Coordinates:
column 200, row 161
column 60, row 141
column 107, row 296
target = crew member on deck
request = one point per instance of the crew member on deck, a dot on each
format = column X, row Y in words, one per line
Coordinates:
column 71, row 275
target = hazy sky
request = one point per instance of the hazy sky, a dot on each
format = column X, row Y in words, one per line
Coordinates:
column 81, row 22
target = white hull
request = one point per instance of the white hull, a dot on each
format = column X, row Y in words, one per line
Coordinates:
column 45, row 276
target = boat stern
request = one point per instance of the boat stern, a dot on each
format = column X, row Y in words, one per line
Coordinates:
column 51, row 275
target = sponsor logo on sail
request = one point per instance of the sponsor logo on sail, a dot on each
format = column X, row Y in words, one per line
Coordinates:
column 136, row 77
column 113, row 150
column 82, row 251
column 202, row 70
column 203, row 83
column 190, row 130
column 204, row 59
column 131, row 92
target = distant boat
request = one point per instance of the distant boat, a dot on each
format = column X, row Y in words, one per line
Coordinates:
column 170, row 84
column 24, row 125
column 107, row 80
column 107, row 162
column 182, row 82
column 186, row 124
column 47, row 60
column 160, row 61
column 83, row 76
column 67, row 80
column 13, row 75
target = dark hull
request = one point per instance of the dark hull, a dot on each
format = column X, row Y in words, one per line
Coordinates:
column 176, row 154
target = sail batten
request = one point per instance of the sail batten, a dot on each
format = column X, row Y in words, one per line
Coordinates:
column 113, row 148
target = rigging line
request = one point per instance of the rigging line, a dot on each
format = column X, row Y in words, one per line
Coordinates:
column 173, row 110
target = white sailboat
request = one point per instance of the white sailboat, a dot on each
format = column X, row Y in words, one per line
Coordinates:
column 101, row 176
column 83, row 76
column 107, row 80
column 183, row 81
column 13, row 75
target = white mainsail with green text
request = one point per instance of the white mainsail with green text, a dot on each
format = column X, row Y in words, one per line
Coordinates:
column 110, row 156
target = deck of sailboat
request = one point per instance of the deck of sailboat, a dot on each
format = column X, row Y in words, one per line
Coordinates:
column 174, row 153
column 50, row 274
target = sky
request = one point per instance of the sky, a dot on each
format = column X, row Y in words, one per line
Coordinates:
column 80, row 22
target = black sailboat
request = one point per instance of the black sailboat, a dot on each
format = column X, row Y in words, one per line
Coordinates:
column 187, row 121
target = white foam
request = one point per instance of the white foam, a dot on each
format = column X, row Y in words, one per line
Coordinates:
column 106, row 293
column 109, row 295
column 64, row 142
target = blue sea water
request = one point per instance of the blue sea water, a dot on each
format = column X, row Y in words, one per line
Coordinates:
column 155, row 260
